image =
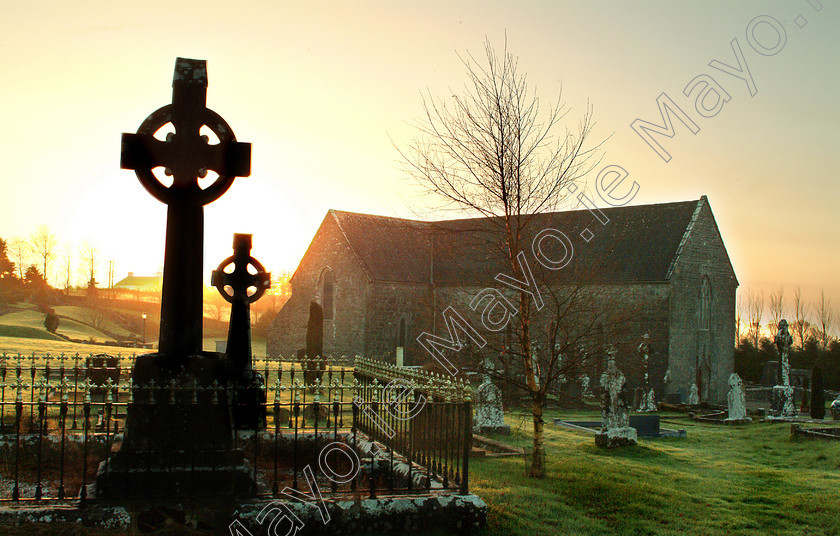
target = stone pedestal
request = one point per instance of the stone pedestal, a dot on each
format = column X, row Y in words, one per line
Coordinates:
column 178, row 437
column 782, row 402
column 616, row 437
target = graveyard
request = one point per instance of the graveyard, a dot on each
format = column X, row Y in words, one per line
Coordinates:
column 750, row 480
column 187, row 440
column 530, row 348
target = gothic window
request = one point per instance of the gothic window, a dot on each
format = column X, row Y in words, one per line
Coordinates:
column 328, row 293
column 705, row 304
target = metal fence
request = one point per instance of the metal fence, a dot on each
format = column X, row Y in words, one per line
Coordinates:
column 409, row 431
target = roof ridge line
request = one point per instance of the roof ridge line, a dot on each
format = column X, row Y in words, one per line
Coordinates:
column 684, row 238
column 432, row 222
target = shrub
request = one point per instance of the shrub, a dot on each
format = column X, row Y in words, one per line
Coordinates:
column 51, row 321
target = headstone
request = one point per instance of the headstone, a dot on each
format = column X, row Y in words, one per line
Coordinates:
column 248, row 386
column 671, row 397
column 584, row 384
column 647, row 404
column 693, row 396
column 178, row 437
column 737, row 401
column 782, row 398
column 489, row 411
column 615, row 424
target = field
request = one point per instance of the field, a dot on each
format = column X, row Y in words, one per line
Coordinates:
column 22, row 331
column 752, row 480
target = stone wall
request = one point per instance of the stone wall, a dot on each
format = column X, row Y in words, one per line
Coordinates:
column 344, row 333
column 703, row 256
column 387, row 304
column 630, row 310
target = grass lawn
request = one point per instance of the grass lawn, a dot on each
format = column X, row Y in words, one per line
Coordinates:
column 29, row 323
column 88, row 316
column 752, row 480
column 21, row 344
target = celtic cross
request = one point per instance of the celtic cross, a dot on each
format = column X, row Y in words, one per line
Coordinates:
column 234, row 286
column 186, row 155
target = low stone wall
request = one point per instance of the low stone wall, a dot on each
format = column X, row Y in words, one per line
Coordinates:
column 833, row 433
column 386, row 515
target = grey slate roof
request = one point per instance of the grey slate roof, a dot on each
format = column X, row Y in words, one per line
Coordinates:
column 638, row 244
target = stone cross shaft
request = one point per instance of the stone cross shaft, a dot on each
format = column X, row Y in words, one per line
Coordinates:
column 187, row 155
column 783, row 341
column 234, row 287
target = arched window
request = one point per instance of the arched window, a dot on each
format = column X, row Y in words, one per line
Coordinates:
column 327, row 294
column 705, row 304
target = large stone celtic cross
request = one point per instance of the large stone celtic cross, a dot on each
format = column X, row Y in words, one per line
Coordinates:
column 234, row 287
column 187, row 155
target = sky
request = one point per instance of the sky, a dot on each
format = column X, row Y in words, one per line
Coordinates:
column 327, row 91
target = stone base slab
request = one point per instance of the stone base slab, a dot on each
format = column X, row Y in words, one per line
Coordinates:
column 745, row 420
column 616, row 437
column 782, row 401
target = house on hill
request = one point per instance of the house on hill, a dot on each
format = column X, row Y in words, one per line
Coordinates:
column 383, row 281
column 139, row 285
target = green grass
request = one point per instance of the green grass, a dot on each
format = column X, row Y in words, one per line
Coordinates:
column 85, row 315
column 34, row 320
column 752, row 480
column 27, row 332
column 19, row 344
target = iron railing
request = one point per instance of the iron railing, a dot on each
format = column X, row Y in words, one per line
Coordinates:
column 408, row 431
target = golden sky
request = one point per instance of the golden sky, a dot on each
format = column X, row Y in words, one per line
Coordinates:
column 323, row 91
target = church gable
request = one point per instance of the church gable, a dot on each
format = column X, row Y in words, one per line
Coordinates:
column 331, row 274
column 702, row 318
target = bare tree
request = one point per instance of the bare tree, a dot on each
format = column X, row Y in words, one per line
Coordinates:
column 19, row 253
column 800, row 322
column 825, row 320
column 492, row 151
column 755, row 312
column 67, row 267
column 44, row 244
column 90, row 260
column 111, row 273
column 777, row 308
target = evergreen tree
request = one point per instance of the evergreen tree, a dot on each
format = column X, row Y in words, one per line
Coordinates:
column 817, row 394
column 33, row 278
column 51, row 321
column 8, row 282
